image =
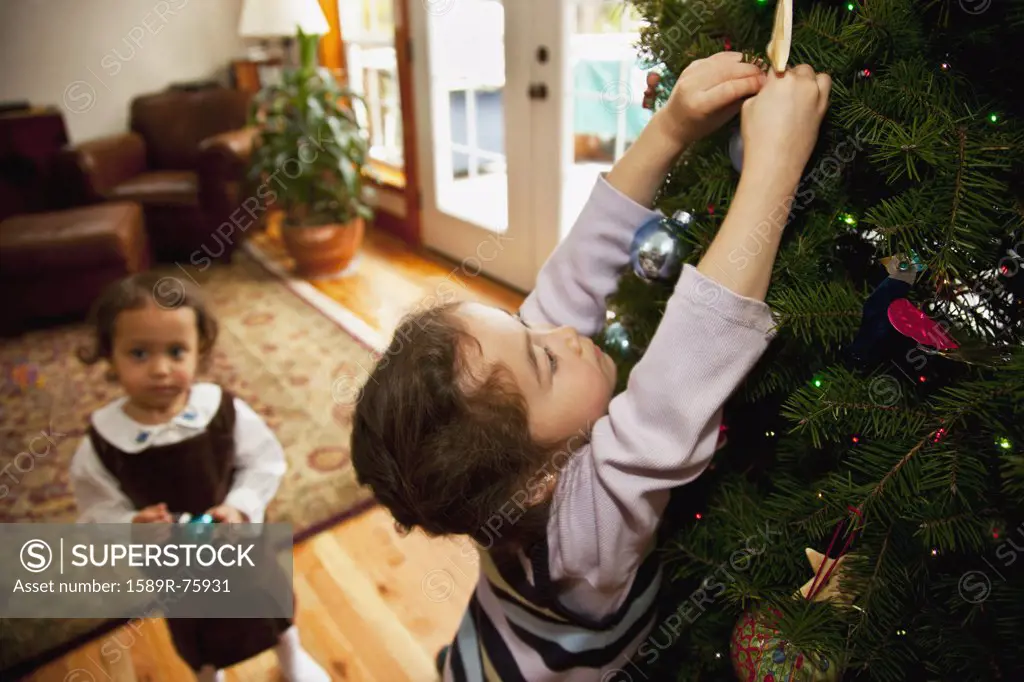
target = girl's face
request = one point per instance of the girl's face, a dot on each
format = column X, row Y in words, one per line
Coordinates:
column 155, row 354
column 566, row 380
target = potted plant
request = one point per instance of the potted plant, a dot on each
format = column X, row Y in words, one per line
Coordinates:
column 310, row 152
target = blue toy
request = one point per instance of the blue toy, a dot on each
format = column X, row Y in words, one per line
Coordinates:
column 200, row 528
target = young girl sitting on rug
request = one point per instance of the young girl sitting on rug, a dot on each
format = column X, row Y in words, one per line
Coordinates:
column 503, row 427
column 170, row 446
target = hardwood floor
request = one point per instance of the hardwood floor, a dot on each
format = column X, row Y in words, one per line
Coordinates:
column 371, row 605
column 389, row 280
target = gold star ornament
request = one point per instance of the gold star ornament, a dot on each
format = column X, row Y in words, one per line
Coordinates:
column 830, row 588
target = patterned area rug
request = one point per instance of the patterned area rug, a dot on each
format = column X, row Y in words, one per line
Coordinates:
column 296, row 367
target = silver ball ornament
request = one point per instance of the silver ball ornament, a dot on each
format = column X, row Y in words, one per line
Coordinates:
column 616, row 340
column 656, row 252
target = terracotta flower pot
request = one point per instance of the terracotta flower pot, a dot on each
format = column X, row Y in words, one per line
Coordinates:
column 323, row 249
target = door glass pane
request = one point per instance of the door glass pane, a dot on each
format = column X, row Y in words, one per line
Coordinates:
column 607, row 83
column 373, row 73
column 467, row 81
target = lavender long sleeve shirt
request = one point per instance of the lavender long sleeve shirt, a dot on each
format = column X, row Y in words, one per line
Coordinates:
column 660, row 433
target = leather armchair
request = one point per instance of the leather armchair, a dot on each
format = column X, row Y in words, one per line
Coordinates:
column 183, row 160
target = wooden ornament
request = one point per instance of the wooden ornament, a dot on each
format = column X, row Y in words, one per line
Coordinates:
column 782, row 36
column 830, row 589
column 902, row 267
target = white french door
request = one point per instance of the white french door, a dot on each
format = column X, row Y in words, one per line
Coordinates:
column 519, row 105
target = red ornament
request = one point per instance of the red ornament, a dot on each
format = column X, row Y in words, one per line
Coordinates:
column 758, row 655
column 913, row 323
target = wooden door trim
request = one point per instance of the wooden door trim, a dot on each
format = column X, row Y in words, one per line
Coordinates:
column 332, row 56
column 404, row 57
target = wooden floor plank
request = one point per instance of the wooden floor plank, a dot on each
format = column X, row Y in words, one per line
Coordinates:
column 425, row 582
column 346, row 588
column 389, row 280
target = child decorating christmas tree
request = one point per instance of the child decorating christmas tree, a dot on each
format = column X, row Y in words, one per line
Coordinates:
column 880, row 434
column 503, row 427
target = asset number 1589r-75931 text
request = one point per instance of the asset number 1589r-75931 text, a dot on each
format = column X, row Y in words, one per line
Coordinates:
column 182, row 585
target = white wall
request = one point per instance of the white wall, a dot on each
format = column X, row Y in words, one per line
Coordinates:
column 91, row 57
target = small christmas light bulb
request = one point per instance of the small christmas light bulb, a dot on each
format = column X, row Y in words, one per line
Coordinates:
column 994, row 118
column 817, row 383
column 1004, row 443
column 945, row 66
column 609, row 315
column 901, row 632
column 698, row 516
column 718, row 654
column 850, row 6
column 855, row 438
column 922, row 378
column 820, row 495
column 995, row 533
column 935, row 552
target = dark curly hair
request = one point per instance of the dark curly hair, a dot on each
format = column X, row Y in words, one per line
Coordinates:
column 136, row 291
column 443, row 453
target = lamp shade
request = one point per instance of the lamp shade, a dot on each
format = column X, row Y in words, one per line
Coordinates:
column 268, row 18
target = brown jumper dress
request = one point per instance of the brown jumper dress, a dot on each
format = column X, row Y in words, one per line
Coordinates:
column 192, row 476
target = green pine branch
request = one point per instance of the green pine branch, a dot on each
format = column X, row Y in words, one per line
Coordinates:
column 847, row 405
column 814, row 312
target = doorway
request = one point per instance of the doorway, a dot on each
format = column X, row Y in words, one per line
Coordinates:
column 520, row 105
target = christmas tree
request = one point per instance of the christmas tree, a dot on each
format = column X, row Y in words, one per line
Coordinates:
column 884, row 428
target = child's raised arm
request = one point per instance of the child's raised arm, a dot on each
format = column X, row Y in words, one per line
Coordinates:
column 575, row 282
column 662, row 431
column 780, row 127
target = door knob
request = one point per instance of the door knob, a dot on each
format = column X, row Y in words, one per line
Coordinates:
column 538, row 91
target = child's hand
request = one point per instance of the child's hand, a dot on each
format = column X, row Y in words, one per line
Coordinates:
column 780, row 125
column 156, row 513
column 225, row 514
column 707, row 94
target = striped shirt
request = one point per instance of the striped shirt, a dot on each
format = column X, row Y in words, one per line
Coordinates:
column 581, row 603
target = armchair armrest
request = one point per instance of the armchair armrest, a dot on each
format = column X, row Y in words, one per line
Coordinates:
column 230, row 149
column 104, row 163
column 221, row 168
column 223, row 159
